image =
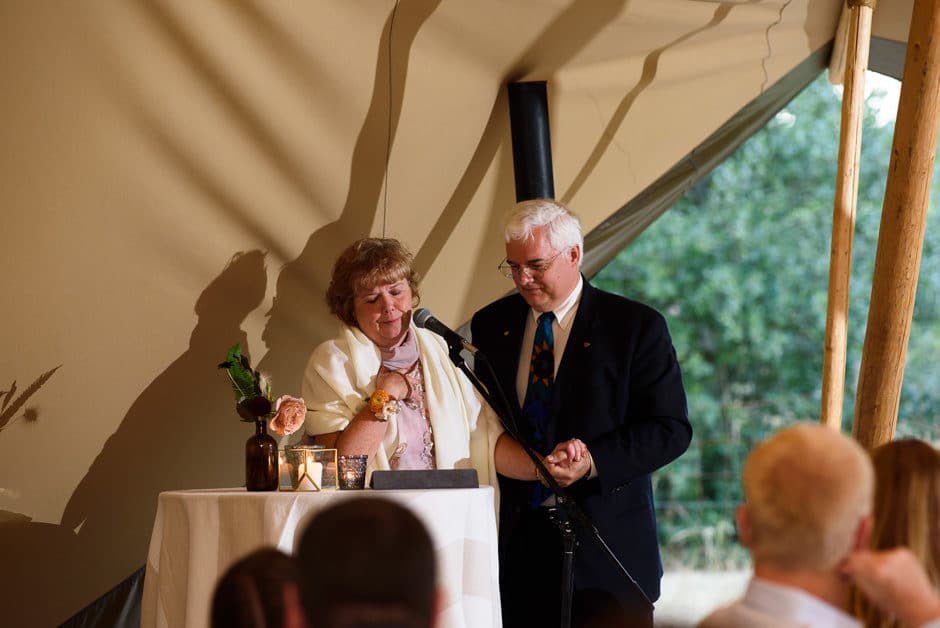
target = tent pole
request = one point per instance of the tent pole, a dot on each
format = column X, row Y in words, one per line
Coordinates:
column 843, row 218
column 901, row 235
column 531, row 140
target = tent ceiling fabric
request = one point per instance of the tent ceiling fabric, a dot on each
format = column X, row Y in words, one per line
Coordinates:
column 180, row 176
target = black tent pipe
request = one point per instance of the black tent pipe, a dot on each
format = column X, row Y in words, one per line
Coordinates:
column 531, row 144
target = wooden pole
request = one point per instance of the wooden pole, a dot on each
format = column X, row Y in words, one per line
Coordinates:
column 843, row 217
column 901, row 235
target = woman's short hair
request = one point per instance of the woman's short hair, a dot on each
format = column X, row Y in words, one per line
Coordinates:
column 806, row 490
column 364, row 264
column 563, row 227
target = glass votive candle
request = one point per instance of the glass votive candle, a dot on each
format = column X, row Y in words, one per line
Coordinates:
column 352, row 472
column 306, row 468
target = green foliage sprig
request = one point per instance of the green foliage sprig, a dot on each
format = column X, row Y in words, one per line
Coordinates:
column 251, row 387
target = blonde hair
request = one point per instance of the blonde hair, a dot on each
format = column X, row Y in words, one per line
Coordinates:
column 907, row 510
column 806, row 489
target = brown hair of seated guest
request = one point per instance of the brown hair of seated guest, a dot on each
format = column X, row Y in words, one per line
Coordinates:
column 366, row 563
column 251, row 592
column 907, row 511
column 368, row 263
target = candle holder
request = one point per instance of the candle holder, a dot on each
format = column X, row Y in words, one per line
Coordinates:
column 306, row 468
column 352, row 472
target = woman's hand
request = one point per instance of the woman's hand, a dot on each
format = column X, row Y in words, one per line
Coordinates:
column 894, row 581
column 394, row 383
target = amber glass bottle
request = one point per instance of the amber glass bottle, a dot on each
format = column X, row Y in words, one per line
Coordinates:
column 261, row 460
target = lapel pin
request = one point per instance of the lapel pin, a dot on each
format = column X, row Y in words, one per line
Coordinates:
column 587, row 344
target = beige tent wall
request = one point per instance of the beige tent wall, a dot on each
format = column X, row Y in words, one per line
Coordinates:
column 180, row 175
column 890, row 26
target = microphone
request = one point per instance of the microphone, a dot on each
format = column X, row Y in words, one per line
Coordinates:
column 423, row 319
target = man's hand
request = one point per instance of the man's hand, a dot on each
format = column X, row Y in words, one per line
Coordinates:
column 569, row 462
column 895, row 582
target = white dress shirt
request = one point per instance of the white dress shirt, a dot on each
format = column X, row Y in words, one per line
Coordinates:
column 769, row 605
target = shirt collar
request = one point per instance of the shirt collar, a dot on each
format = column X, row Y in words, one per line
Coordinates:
column 795, row 605
column 564, row 313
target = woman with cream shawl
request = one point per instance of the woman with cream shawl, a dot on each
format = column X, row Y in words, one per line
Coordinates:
column 386, row 388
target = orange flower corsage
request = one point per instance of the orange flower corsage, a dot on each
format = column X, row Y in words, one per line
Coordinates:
column 382, row 405
column 378, row 400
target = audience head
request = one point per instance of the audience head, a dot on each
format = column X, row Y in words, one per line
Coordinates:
column 808, row 496
column 562, row 227
column 368, row 562
column 907, row 509
column 252, row 593
column 365, row 264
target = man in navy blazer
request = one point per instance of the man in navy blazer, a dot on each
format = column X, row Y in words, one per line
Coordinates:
column 617, row 412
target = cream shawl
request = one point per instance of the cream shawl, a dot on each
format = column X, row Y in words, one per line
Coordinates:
column 341, row 374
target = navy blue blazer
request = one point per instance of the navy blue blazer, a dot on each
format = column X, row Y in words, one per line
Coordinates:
column 619, row 389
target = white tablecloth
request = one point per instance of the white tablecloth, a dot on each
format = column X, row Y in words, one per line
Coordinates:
column 198, row 534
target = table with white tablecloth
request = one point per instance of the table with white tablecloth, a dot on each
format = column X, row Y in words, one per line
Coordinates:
column 198, row 534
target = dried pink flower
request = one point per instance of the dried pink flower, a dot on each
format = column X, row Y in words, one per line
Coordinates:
column 289, row 415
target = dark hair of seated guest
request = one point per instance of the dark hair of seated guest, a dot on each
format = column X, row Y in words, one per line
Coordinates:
column 250, row 593
column 367, row 563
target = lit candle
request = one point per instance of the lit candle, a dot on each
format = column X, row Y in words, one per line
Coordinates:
column 351, row 477
column 315, row 473
column 311, row 475
column 283, row 471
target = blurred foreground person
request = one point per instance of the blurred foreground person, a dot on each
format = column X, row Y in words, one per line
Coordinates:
column 807, row 505
column 906, row 513
column 368, row 562
column 258, row 591
column 896, row 583
column 808, row 493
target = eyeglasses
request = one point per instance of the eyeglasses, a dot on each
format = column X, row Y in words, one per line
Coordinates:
column 509, row 269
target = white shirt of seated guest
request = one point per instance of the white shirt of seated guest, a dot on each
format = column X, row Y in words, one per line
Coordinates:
column 769, row 605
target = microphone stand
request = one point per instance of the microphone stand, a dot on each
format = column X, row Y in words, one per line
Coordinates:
column 565, row 510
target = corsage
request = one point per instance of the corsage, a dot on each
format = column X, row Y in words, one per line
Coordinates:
column 382, row 405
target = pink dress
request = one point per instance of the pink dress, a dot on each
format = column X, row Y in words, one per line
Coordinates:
column 415, row 447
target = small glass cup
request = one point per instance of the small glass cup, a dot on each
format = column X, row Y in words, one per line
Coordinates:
column 352, row 472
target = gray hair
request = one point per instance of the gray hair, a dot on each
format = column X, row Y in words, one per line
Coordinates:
column 562, row 226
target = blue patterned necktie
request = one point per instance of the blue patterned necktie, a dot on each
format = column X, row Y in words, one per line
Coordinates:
column 536, row 406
